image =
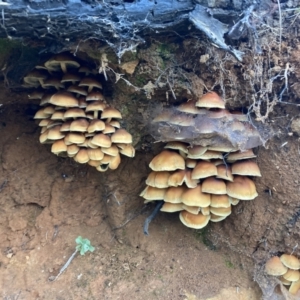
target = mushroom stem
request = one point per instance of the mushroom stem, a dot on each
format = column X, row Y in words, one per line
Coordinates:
column 95, row 114
column 90, row 88
column 63, row 67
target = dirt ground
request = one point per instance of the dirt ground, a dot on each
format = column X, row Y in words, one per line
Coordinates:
column 46, row 202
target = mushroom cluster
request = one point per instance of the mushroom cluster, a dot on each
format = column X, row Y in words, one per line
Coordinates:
column 75, row 118
column 206, row 122
column 201, row 182
column 286, row 267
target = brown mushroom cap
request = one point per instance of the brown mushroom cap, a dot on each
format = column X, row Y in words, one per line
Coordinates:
column 94, row 96
column 74, row 138
column 108, row 129
column 55, row 134
column 45, row 99
column 221, row 211
column 220, row 201
column 233, row 201
column 58, row 147
column 95, row 154
column 195, row 197
column 58, row 115
column 275, row 267
column 195, row 152
column 176, row 178
column 74, row 113
column 173, row 194
column 190, row 163
column 284, row 281
column 246, row 168
column 44, row 122
column 209, row 154
column 96, row 125
column 53, row 82
column 190, row 183
column 65, row 127
column 171, row 207
column 295, row 287
column 214, row 185
column 215, row 218
column 128, row 150
column 40, row 114
column 79, row 125
column 49, row 110
column 205, row 211
column 112, row 150
column 191, row 209
column 82, row 156
column 72, row 150
column 290, row 261
column 101, row 140
column 121, row 136
column 94, row 163
column 70, row 77
column 240, row 155
column 167, row 161
column 204, row 169
column 224, row 172
column 115, row 123
column 64, row 99
column 193, row 221
column 222, row 148
column 63, row 61
column 115, row 162
column 111, row 113
column 36, row 77
column 90, row 83
column 95, row 106
column 177, row 146
column 292, row 275
column 158, row 179
column 190, row 108
column 211, row 100
column 152, row 193
column 77, row 90
column 242, row 188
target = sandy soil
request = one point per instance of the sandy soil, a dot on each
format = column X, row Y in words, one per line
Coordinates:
column 46, row 202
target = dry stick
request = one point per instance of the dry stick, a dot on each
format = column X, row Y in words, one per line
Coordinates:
column 280, row 25
column 53, row 278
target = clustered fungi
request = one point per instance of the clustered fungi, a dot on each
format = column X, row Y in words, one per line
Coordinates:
column 206, row 122
column 76, row 119
column 201, row 182
column 286, row 268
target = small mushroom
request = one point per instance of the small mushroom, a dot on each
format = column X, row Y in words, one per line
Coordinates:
column 275, row 267
column 193, row 221
column 74, row 138
column 152, row 193
column 211, row 100
column 232, row 157
column 95, row 96
column 214, row 186
column 166, row 161
column 70, row 77
column 101, row 140
column 95, row 107
column 110, row 113
column 61, row 61
column 292, row 275
column 72, row 150
column 246, row 168
column 79, row 125
column 176, row 178
column 63, row 99
column 82, row 156
column 195, row 197
column 174, row 194
column 204, row 169
column 128, row 150
column 53, row 82
column 58, row 147
column 36, row 78
column 90, row 83
column 77, row 90
column 121, row 136
column 195, row 152
column 158, row 179
column 242, row 188
column 290, row 261
column 73, row 113
column 96, row 125
column 221, row 211
column 224, row 172
column 171, row 207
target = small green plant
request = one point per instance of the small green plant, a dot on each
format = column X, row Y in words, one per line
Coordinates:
column 83, row 246
column 229, row 264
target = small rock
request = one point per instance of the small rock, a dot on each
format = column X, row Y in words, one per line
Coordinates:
column 129, row 67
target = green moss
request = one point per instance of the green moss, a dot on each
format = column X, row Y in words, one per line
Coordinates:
column 229, row 264
column 202, row 235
